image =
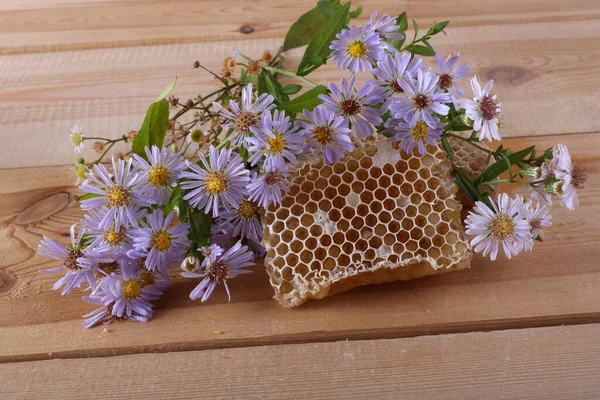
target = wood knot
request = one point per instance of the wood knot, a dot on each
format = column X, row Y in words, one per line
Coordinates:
column 508, row 75
column 6, row 281
column 247, row 29
column 43, row 209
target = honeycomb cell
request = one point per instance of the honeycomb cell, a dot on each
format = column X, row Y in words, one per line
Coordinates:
column 375, row 216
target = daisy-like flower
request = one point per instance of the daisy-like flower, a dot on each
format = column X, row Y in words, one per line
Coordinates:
column 210, row 253
column 125, row 295
column 243, row 222
column 245, row 115
column 484, row 110
column 220, row 180
column 449, row 73
column 386, row 28
column 121, row 194
column 159, row 172
column 327, row 134
column 418, row 134
column 190, row 264
column 422, row 99
column 538, row 215
column 79, row 172
column 356, row 107
column 390, row 69
column 275, row 139
column 220, row 270
column 69, row 256
column 504, row 225
column 197, row 138
column 570, row 176
column 77, row 139
column 269, row 188
column 356, row 49
column 116, row 239
column 162, row 246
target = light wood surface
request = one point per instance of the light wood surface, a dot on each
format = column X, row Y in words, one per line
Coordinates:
column 100, row 64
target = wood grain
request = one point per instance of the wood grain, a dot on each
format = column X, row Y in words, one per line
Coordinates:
column 544, row 363
column 536, row 289
column 541, row 69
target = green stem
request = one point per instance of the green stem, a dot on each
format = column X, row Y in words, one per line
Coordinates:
column 469, row 141
column 289, row 73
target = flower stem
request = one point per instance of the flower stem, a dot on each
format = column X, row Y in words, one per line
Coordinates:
column 289, row 73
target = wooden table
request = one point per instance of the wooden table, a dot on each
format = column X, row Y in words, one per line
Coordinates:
column 523, row 329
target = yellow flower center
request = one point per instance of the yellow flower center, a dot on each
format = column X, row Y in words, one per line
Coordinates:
column 215, row 182
column 76, row 139
column 419, row 131
column 147, row 278
column 247, row 209
column 502, row 226
column 196, row 135
column 113, row 237
column 158, row 175
column 80, row 171
column 276, row 144
column 161, row 240
column 117, row 196
column 322, row 134
column 130, row 289
column 357, row 49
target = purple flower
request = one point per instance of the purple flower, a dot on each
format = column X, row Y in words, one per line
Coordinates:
column 162, row 246
column 356, row 49
column 385, row 27
column 243, row 222
column 268, row 188
column 126, row 295
column 275, row 139
column 220, row 180
column 245, row 115
column 220, row 270
column 392, row 68
column 116, row 239
column 422, row 99
column 355, row 106
column 418, row 134
column 484, row 110
column 162, row 170
column 77, row 274
column 120, row 193
column 449, row 73
column 327, row 133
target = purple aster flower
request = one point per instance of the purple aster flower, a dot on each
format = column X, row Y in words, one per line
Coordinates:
column 161, row 171
column 386, row 28
column 327, row 133
column 116, row 239
column 422, row 99
column 355, row 106
column 220, row 180
column 484, row 110
column 268, row 188
column 245, row 115
column 390, row 69
column 120, row 193
column 449, row 73
column 418, row 134
column 220, row 270
column 210, row 253
column 69, row 257
column 243, row 222
column 356, row 49
column 275, row 139
column 569, row 176
column 162, row 246
column 126, row 294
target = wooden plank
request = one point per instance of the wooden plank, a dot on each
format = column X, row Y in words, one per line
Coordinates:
column 546, row 76
column 34, row 26
column 541, row 288
column 544, row 363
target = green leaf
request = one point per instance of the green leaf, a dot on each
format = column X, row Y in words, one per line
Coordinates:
column 176, row 196
column 319, row 44
column 502, row 165
column 290, row 89
column 355, row 14
column 153, row 128
column 167, row 91
column 327, row 7
column 306, row 101
column 447, row 147
column 199, row 227
column 268, row 84
column 437, row 28
column 421, row 50
column 416, row 28
column 465, row 184
column 304, row 29
column 402, row 22
column 85, row 196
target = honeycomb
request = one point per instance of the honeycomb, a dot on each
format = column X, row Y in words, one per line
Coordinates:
column 473, row 160
column 378, row 215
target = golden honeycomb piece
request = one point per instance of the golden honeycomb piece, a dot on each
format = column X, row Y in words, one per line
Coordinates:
column 378, row 215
